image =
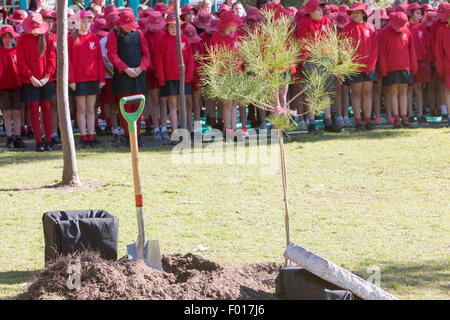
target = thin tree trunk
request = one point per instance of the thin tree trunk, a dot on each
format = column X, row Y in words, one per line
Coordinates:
column 181, row 65
column 285, row 191
column 70, row 171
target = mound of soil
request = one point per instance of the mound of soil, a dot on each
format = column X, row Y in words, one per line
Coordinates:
column 183, row 277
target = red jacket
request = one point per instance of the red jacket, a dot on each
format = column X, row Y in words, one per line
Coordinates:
column 434, row 31
column 167, row 59
column 9, row 72
column 221, row 39
column 397, row 51
column 443, row 50
column 85, row 59
column 53, row 36
column 422, row 41
column 113, row 56
column 206, row 38
column 30, row 62
column 365, row 37
column 308, row 28
column 152, row 39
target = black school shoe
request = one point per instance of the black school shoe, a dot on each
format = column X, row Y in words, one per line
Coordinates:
column 85, row 145
column 18, row 142
column 359, row 127
column 422, row 119
column 40, row 147
column 311, row 128
column 369, row 126
column 48, row 146
column 333, row 128
column 108, row 131
column 99, row 131
column 9, row 143
column 149, row 131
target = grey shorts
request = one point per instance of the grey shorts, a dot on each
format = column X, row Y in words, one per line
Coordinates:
column 308, row 67
column 10, row 100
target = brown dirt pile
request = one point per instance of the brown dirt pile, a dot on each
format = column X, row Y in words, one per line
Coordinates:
column 183, row 277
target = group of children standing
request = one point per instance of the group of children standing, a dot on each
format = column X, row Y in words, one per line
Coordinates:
column 113, row 54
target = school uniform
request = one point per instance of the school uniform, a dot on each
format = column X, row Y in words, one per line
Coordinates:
column 398, row 61
column 442, row 54
column 167, row 65
column 107, row 96
column 10, row 80
column 152, row 39
column 437, row 24
column 30, row 63
column 422, row 45
column 364, row 36
column 197, row 49
column 128, row 51
column 86, row 67
column 306, row 29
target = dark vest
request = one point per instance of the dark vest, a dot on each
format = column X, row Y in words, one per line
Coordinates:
column 129, row 51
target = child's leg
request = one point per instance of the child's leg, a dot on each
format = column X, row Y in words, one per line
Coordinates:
column 147, row 111
column 233, row 115
column 154, row 107
column 297, row 102
column 197, row 108
column 419, row 98
column 226, row 114
column 338, row 100
column 90, row 115
column 210, row 110
column 35, row 123
column 189, row 111
column 387, row 101
column 54, row 113
column 356, row 101
column 7, row 115
column 447, row 93
column 243, row 116
column 410, row 93
column 443, row 98
column 367, row 87
column 172, row 100
column 345, row 100
column 113, row 107
column 17, row 120
column 403, row 100
column 377, row 99
column 81, row 115
column 431, row 96
column 282, row 96
column 163, row 112
column 46, row 113
column 394, row 93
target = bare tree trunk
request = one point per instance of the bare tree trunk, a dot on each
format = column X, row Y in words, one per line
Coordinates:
column 181, row 65
column 285, row 190
column 70, row 171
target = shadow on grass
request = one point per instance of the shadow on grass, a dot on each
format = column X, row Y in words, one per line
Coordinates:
column 15, row 277
column 398, row 276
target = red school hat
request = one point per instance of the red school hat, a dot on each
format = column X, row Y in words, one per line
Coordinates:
column 357, row 6
column 223, row 7
column 398, row 21
column 83, row 14
column 155, row 21
column 228, row 18
column 343, row 8
column 212, row 26
column 161, row 7
column 187, row 8
column 301, row 13
column 18, row 16
column 253, row 13
column 402, row 7
column 191, row 33
column 35, row 24
column 342, row 19
column 430, row 17
column 8, row 29
column 414, row 6
column 112, row 19
column 99, row 27
column 312, row 5
column 427, row 7
column 127, row 20
column 202, row 19
column 442, row 11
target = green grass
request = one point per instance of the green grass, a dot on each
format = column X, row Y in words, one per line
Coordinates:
column 358, row 199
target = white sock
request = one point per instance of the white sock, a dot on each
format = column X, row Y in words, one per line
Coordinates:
column 346, row 118
column 340, row 118
column 156, row 130
column 54, row 135
column 444, row 109
column 307, row 121
column 116, row 131
column 164, row 129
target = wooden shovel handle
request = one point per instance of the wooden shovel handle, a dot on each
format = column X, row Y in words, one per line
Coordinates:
column 135, row 164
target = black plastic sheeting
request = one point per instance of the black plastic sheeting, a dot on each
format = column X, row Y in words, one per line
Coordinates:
column 67, row 232
column 295, row 283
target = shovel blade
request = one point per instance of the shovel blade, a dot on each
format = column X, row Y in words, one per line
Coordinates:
column 150, row 253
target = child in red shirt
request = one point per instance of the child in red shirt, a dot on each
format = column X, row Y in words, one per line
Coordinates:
column 10, row 84
column 158, row 109
column 130, row 65
column 86, row 76
column 442, row 51
column 422, row 43
column 193, row 102
column 169, row 71
column 398, row 63
column 36, row 61
column 226, row 37
column 364, row 36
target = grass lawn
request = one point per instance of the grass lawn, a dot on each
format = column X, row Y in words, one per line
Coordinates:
column 363, row 199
